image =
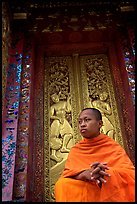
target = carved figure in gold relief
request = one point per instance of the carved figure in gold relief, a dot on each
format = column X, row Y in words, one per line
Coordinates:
column 105, row 109
column 60, row 130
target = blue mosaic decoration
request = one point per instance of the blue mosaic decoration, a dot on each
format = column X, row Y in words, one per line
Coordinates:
column 8, row 147
column 129, row 62
column 129, row 58
column 23, row 126
column 10, row 122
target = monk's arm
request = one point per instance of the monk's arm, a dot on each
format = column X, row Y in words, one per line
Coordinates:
column 95, row 173
column 84, row 175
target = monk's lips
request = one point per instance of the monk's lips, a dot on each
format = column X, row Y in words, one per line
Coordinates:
column 83, row 130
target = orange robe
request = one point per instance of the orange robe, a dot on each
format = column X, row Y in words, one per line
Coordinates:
column 120, row 186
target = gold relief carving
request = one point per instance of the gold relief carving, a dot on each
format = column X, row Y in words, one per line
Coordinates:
column 106, row 111
column 96, row 79
column 58, row 128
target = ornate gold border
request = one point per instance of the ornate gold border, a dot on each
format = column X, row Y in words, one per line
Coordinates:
column 46, row 139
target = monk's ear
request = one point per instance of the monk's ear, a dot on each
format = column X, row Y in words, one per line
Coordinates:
column 101, row 123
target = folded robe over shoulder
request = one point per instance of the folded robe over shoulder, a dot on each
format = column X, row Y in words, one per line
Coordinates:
column 120, row 186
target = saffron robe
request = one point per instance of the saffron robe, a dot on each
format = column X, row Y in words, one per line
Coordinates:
column 120, row 186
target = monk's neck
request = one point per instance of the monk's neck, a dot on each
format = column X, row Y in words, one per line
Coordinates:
column 92, row 137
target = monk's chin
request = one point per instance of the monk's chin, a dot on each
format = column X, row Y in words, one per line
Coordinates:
column 89, row 136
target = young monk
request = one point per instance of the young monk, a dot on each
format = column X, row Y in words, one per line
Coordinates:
column 97, row 169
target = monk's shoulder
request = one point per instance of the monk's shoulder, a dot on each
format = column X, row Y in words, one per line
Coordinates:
column 115, row 145
column 76, row 146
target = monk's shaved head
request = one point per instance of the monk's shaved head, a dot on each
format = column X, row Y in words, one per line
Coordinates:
column 96, row 112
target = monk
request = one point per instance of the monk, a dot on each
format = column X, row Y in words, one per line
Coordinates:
column 97, row 168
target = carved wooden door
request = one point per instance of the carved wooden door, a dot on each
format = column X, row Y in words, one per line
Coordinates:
column 72, row 83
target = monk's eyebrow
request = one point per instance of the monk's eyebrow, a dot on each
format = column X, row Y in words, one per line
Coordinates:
column 87, row 117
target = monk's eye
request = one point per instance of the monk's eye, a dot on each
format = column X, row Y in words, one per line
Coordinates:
column 87, row 120
column 79, row 121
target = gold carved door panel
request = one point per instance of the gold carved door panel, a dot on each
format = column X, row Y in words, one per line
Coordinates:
column 72, row 83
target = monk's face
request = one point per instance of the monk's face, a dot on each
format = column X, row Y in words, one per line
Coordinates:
column 89, row 126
